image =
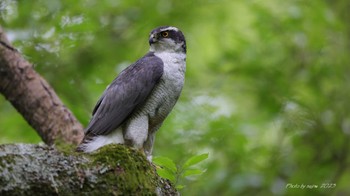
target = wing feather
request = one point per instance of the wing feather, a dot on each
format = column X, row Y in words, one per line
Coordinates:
column 129, row 90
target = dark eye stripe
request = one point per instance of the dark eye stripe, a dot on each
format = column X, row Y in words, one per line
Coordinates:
column 176, row 36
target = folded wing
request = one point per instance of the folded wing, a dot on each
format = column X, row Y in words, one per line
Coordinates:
column 125, row 94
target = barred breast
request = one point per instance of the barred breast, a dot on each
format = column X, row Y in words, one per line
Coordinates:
column 165, row 95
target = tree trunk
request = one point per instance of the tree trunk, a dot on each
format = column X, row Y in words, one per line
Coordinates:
column 113, row 170
column 34, row 98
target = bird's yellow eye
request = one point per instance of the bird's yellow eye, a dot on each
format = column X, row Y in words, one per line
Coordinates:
column 165, row 34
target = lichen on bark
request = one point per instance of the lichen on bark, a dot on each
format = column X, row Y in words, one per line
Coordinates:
column 28, row 169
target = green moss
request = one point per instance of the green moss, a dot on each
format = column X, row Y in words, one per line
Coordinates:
column 125, row 169
column 64, row 147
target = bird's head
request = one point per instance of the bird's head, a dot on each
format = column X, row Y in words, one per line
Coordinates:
column 167, row 38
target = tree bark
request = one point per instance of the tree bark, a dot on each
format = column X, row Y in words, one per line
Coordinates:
column 34, row 98
column 27, row 169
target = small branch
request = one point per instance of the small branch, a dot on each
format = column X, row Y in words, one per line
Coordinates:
column 7, row 46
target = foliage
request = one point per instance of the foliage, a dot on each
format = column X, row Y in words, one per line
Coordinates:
column 176, row 173
column 266, row 90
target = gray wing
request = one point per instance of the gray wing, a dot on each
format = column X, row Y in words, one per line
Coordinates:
column 129, row 90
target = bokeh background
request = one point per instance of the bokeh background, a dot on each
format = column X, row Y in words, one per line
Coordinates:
column 267, row 84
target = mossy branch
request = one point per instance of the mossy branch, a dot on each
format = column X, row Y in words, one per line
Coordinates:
column 27, row 169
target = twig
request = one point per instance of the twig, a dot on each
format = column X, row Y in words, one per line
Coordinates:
column 8, row 46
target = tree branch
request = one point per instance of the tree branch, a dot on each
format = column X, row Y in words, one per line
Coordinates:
column 34, row 98
column 27, row 169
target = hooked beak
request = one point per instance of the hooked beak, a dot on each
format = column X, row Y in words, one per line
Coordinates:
column 152, row 39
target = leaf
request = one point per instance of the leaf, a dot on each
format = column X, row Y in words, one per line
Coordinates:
column 179, row 187
column 195, row 159
column 190, row 172
column 166, row 163
column 164, row 173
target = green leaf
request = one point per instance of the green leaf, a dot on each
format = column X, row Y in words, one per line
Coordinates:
column 166, row 163
column 190, row 172
column 164, row 173
column 195, row 159
column 179, row 187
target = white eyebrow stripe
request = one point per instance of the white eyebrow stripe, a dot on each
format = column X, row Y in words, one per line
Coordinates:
column 170, row 28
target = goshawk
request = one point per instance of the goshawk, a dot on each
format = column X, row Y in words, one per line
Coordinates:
column 135, row 104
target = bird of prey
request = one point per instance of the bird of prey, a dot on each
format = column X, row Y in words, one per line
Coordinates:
column 135, row 104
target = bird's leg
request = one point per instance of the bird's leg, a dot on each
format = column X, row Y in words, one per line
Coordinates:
column 148, row 146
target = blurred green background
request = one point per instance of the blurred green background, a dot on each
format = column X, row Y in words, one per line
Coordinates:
column 267, row 84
